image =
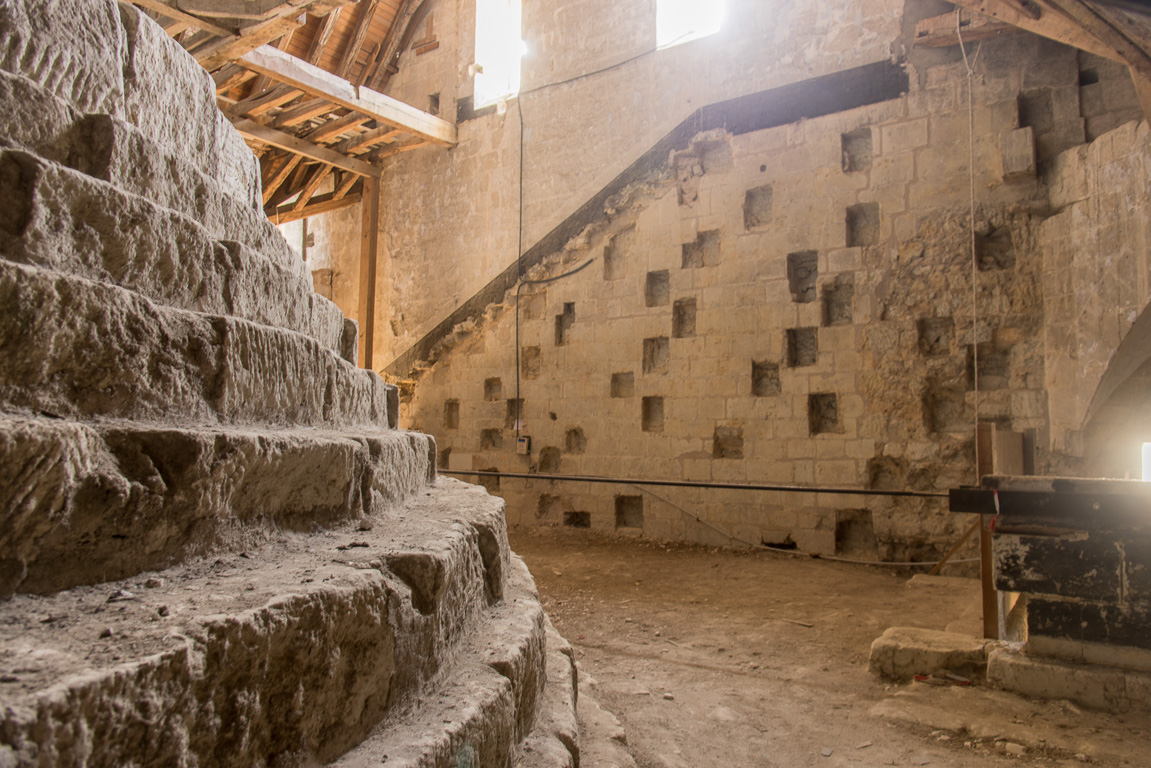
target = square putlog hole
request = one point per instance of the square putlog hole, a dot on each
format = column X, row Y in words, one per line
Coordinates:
column 530, row 362
column 823, row 413
column 862, row 223
column 704, row 252
column 657, row 289
column 683, row 318
column 802, row 347
column 945, row 407
column 491, row 484
column 629, row 511
column 995, row 250
column 575, row 441
column 838, row 299
column 615, row 254
column 727, row 442
column 994, row 367
column 757, row 207
column 577, row 519
column 857, row 151
column 656, row 354
column 493, row 390
column 764, row 378
column 564, row 322
column 515, row 409
column 623, row 384
column 491, row 439
column 935, row 336
column 451, row 414
column 651, row 414
column 802, row 272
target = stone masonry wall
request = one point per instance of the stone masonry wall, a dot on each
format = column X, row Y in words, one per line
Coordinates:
column 787, row 306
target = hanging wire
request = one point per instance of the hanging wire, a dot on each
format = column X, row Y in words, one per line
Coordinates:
column 970, row 66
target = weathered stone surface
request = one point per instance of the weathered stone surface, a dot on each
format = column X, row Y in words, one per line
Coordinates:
column 82, row 349
column 294, row 649
column 901, row 653
column 1109, row 688
column 554, row 739
column 86, row 503
column 1088, row 568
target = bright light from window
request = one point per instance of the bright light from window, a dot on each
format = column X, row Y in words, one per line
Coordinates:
column 1147, row 461
column 678, row 21
column 498, row 50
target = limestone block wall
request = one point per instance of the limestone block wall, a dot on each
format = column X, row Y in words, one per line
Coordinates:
column 1097, row 259
column 577, row 134
column 788, row 306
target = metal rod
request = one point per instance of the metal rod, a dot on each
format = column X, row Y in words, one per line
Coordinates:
column 698, row 484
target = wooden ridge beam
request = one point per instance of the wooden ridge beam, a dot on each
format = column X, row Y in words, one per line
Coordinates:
column 318, row 204
column 253, row 130
column 311, row 79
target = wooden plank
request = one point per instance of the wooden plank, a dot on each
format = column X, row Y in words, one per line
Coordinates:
column 311, row 79
column 320, row 204
column 280, row 175
column 305, row 111
column 984, row 465
column 221, row 52
column 261, row 83
column 318, row 175
column 258, row 105
column 1105, row 30
column 335, row 127
column 1050, row 25
column 231, row 76
column 390, row 47
column 172, row 12
column 356, row 41
column 940, row 31
column 231, row 9
column 316, row 50
column 954, row 548
column 253, row 130
column 391, row 151
column 368, row 139
column 369, row 237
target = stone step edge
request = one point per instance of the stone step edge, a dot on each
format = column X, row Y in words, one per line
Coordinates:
column 174, row 492
column 79, row 348
column 554, row 741
column 475, row 709
column 1111, row 689
column 338, row 640
column 70, row 221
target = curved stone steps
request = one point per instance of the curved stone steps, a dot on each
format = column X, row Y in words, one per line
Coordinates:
column 293, row 650
column 481, row 706
column 554, row 739
column 76, row 223
column 86, row 503
column 82, row 349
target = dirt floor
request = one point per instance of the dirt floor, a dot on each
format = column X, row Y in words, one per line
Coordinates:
column 726, row 658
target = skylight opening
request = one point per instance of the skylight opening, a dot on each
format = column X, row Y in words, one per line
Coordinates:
column 499, row 49
column 681, row 21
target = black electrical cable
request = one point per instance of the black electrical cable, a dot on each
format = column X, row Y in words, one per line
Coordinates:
column 699, row 483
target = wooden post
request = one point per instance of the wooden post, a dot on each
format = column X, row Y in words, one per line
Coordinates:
column 369, row 237
column 984, row 437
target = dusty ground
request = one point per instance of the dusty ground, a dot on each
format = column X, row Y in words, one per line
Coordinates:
column 705, row 657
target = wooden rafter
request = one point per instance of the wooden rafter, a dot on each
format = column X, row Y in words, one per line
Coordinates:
column 367, row 140
column 310, row 79
column 280, row 175
column 231, row 76
column 345, row 185
column 259, row 105
column 323, row 35
column 392, row 44
column 363, row 23
column 286, row 19
column 303, row 112
column 286, row 141
column 317, row 205
column 171, row 11
column 334, row 128
column 313, row 183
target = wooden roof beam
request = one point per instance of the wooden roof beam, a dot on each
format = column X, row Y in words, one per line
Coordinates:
column 303, row 112
column 317, row 205
column 287, row 18
column 1051, row 25
column 253, row 130
column 323, row 35
column 311, row 79
column 368, row 10
column 171, row 11
column 335, row 127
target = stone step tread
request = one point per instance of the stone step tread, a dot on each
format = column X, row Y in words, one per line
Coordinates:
column 477, row 706
column 78, row 348
column 554, row 741
column 318, row 616
column 170, row 492
column 107, row 58
column 75, row 223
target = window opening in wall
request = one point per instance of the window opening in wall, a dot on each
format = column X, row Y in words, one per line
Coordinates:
column 499, row 49
column 681, row 21
column 1147, row 461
